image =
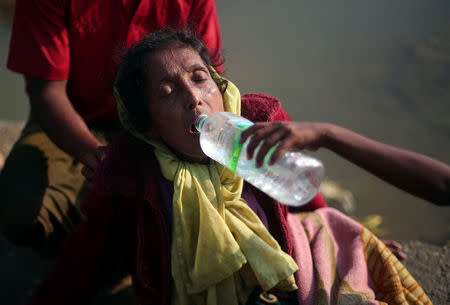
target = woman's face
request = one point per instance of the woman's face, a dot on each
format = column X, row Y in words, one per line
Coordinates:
column 180, row 89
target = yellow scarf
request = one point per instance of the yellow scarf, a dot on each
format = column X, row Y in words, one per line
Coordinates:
column 220, row 248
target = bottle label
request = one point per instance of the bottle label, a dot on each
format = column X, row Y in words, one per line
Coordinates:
column 237, row 147
column 237, row 152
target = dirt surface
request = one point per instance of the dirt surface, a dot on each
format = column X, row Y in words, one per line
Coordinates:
column 22, row 269
column 430, row 266
column 9, row 132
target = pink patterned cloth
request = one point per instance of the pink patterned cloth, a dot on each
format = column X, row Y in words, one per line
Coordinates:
column 341, row 262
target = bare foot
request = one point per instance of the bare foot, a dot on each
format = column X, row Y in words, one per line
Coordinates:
column 125, row 283
column 2, row 161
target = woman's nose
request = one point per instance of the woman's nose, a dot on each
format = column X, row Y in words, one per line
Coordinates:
column 193, row 98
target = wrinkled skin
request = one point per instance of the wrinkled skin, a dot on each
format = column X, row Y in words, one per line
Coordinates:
column 180, row 88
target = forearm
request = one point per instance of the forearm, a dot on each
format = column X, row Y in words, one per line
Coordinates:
column 58, row 118
column 417, row 174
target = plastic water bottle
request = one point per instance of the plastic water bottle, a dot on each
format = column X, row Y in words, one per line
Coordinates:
column 293, row 180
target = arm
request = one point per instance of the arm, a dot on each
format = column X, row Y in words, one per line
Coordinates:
column 58, row 118
column 417, row 174
column 40, row 50
column 412, row 172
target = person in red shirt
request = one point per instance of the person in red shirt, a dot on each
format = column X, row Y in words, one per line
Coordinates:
column 68, row 52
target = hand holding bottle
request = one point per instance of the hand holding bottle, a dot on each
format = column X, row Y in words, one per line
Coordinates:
column 293, row 180
column 412, row 172
column 298, row 135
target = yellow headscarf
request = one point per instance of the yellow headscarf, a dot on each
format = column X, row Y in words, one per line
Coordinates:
column 220, row 248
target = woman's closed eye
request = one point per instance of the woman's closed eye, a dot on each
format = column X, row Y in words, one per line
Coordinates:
column 199, row 76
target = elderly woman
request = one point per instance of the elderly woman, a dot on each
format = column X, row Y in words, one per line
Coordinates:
column 192, row 232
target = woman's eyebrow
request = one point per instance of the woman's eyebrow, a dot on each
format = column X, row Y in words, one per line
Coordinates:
column 191, row 68
column 194, row 67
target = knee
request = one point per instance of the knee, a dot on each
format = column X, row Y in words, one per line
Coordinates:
column 19, row 212
column 33, row 211
column 19, row 209
column 21, row 232
column 22, row 186
column 28, row 231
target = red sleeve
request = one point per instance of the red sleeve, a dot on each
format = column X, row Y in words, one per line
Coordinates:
column 81, row 261
column 281, row 115
column 204, row 14
column 39, row 41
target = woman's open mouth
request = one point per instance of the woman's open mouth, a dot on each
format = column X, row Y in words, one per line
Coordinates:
column 193, row 130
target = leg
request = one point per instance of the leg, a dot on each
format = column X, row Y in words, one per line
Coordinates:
column 40, row 187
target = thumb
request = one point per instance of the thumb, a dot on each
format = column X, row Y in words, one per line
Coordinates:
column 100, row 153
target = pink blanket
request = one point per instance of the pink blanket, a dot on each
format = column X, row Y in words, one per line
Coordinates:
column 341, row 262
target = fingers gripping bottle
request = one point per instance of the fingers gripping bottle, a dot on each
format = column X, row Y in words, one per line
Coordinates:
column 293, row 180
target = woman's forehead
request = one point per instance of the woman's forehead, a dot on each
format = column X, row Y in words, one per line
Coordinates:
column 173, row 60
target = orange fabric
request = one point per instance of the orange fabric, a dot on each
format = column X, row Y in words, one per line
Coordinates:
column 395, row 285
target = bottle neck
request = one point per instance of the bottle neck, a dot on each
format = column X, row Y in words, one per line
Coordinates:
column 199, row 121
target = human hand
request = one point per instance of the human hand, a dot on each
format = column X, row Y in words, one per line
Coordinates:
column 299, row 135
column 91, row 160
column 395, row 248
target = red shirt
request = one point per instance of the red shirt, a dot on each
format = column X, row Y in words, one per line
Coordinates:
column 82, row 41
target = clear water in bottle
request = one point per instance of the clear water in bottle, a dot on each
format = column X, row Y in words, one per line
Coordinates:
column 293, row 180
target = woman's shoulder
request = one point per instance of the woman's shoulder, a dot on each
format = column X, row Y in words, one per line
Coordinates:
column 260, row 107
column 126, row 158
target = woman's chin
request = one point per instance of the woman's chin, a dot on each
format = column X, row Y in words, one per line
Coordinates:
column 197, row 158
column 200, row 159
